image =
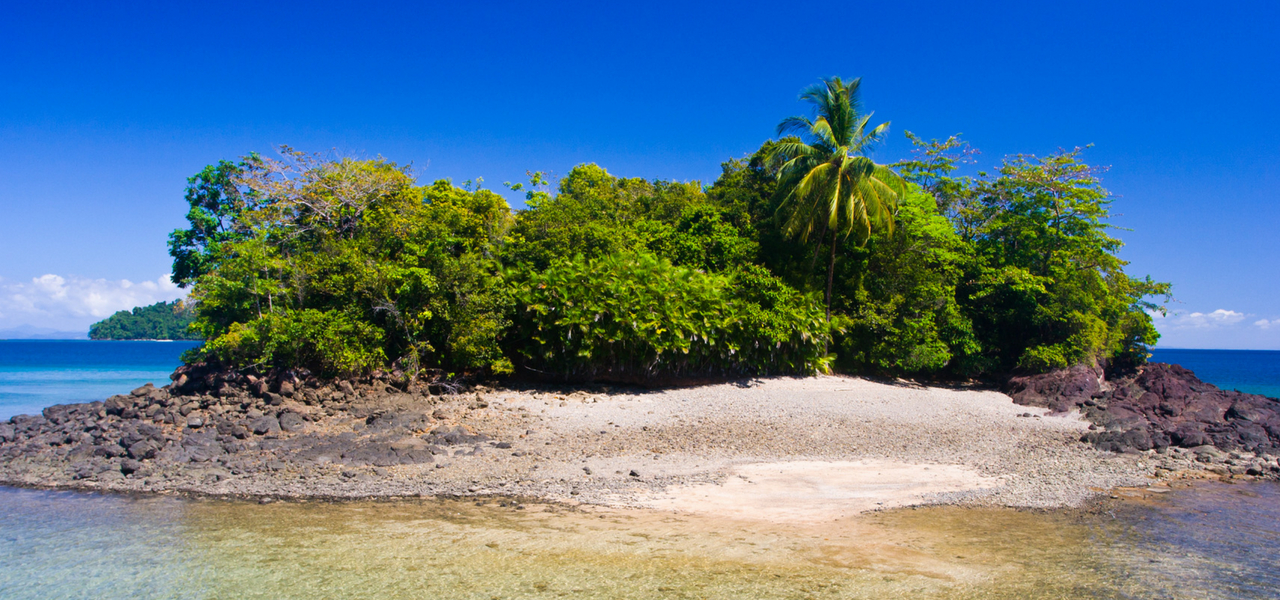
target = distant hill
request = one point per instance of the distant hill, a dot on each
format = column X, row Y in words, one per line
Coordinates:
column 160, row 321
column 27, row 332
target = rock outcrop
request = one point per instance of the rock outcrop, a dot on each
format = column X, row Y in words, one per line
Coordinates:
column 211, row 422
column 1158, row 406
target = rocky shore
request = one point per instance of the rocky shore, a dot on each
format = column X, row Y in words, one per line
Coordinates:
column 290, row 435
column 1164, row 408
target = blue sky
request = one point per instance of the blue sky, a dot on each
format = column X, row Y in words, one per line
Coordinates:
column 104, row 111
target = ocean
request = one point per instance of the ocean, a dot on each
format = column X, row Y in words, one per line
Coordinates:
column 38, row 373
column 1251, row 371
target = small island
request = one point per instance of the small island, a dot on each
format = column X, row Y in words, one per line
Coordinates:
column 812, row 315
column 159, row 321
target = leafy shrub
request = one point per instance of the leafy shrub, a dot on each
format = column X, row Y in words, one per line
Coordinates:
column 636, row 317
column 346, row 266
column 332, row 342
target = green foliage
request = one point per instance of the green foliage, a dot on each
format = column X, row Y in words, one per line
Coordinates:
column 160, row 321
column 216, row 203
column 897, row 295
column 826, row 183
column 331, row 342
column 346, row 266
column 1042, row 283
column 406, row 276
column 825, row 180
column 636, row 317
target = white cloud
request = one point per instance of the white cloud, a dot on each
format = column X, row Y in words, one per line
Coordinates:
column 1221, row 328
column 1199, row 320
column 73, row 303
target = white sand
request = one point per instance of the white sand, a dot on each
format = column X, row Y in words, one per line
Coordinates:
column 814, row 491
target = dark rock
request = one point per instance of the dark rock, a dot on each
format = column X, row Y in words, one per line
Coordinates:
column 28, row 424
column 109, row 450
column 57, row 414
column 151, row 432
column 130, row 466
column 7, row 434
column 143, row 391
column 143, row 450
column 265, row 425
column 405, row 451
column 286, row 389
column 291, row 421
column 446, row 436
column 346, row 388
column 195, row 422
column 1158, row 406
column 634, row 473
column 397, row 422
column 1057, row 389
column 502, row 445
column 204, row 453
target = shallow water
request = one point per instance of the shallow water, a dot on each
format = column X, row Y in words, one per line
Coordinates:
column 77, row 545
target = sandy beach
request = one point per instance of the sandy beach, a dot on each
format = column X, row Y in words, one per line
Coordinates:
column 780, row 449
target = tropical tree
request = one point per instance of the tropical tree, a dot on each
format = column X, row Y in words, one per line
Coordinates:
column 826, row 183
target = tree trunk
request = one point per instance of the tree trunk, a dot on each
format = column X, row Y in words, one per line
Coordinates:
column 831, row 276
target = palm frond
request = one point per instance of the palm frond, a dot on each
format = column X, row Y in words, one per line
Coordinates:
column 795, row 126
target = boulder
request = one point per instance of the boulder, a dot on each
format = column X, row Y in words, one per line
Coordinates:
column 291, row 421
column 265, row 425
column 445, row 436
column 1156, row 406
column 1057, row 389
column 143, row 450
column 116, row 405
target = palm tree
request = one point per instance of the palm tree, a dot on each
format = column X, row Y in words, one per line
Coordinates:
column 825, row 181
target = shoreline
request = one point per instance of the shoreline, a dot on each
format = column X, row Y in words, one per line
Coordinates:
column 846, row 445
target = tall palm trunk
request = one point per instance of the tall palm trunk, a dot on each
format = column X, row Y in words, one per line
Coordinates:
column 831, row 277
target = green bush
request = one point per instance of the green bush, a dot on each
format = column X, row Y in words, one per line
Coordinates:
column 331, row 342
column 636, row 317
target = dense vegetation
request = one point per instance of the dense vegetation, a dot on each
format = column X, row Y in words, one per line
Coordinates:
column 160, row 321
column 347, row 266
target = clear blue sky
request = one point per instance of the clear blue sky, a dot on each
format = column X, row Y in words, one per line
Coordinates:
column 104, row 111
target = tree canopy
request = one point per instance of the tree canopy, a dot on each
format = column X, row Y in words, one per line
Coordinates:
column 347, row 266
column 160, row 321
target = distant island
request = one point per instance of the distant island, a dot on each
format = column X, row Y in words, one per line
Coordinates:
column 160, row 321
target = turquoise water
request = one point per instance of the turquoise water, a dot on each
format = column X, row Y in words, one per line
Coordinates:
column 39, row 373
column 1251, row 371
column 1205, row 542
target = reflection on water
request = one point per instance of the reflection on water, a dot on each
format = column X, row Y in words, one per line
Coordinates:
column 58, row 544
